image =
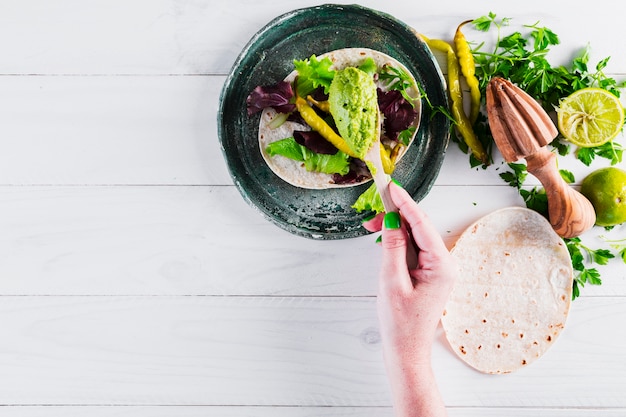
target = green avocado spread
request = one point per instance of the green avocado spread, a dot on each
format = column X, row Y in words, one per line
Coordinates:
column 353, row 104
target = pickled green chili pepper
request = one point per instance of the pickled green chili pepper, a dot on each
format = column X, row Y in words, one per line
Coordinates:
column 463, row 124
column 322, row 105
column 320, row 126
column 468, row 69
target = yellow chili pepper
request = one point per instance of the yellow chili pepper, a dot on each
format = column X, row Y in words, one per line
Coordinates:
column 468, row 69
column 463, row 124
column 395, row 152
column 322, row 105
column 320, row 126
column 385, row 157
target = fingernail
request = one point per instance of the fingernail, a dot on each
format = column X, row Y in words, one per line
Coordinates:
column 392, row 220
column 379, row 239
column 395, row 181
column 368, row 218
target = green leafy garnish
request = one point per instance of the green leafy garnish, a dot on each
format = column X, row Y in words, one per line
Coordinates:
column 313, row 73
column 516, row 177
column 369, row 66
column 369, row 200
column 406, row 135
column 397, row 79
column 338, row 163
column 535, row 199
column 567, row 176
column 611, row 150
column 581, row 256
column 619, row 245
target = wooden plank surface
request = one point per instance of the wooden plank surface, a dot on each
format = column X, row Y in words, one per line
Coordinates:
column 271, row 351
column 137, row 240
column 135, row 280
column 204, row 37
column 202, row 411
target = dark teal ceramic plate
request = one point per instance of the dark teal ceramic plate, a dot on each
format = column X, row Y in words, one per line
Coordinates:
column 268, row 58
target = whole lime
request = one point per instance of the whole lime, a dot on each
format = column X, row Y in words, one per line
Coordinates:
column 606, row 189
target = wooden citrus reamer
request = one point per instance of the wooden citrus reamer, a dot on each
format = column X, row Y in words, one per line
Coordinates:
column 521, row 129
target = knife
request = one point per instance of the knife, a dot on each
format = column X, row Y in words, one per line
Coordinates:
column 381, row 179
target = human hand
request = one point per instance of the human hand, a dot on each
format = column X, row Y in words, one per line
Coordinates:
column 411, row 301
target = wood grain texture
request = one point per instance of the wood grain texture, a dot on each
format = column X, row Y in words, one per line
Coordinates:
column 230, row 411
column 135, row 280
column 270, row 351
column 138, row 240
column 148, row 37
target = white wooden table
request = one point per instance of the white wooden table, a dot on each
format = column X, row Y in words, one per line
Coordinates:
column 135, row 280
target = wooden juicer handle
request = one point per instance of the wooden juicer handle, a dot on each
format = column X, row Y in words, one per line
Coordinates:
column 521, row 129
column 570, row 213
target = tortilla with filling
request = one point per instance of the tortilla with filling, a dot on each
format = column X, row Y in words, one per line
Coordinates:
column 513, row 294
column 293, row 171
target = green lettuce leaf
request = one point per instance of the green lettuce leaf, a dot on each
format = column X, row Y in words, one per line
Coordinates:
column 369, row 66
column 369, row 201
column 338, row 163
column 313, row 73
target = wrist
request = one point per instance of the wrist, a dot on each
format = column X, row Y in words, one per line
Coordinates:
column 414, row 391
column 416, row 356
column 402, row 367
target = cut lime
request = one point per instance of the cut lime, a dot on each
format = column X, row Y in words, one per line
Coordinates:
column 590, row 117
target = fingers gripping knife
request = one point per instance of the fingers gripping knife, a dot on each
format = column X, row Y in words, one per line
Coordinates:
column 382, row 185
column 521, row 129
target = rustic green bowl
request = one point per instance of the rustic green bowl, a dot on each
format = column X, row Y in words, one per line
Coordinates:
column 268, row 58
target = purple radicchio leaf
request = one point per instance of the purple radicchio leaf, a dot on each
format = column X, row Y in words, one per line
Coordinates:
column 358, row 173
column 399, row 113
column 277, row 96
column 314, row 142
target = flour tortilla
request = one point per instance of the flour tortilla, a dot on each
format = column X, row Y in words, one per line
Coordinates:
column 293, row 171
column 514, row 291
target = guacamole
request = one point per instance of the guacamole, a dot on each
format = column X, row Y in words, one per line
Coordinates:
column 353, row 104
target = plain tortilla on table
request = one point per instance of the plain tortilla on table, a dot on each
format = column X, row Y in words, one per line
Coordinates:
column 513, row 294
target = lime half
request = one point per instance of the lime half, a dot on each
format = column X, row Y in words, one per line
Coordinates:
column 590, row 117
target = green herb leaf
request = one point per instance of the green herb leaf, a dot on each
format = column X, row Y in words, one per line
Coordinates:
column 602, row 256
column 591, row 275
column 583, row 256
column 619, row 246
column 612, row 151
column 568, row 176
column 405, row 136
column 585, row 155
column 536, row 199
column 517, row 177
column 397, row 79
